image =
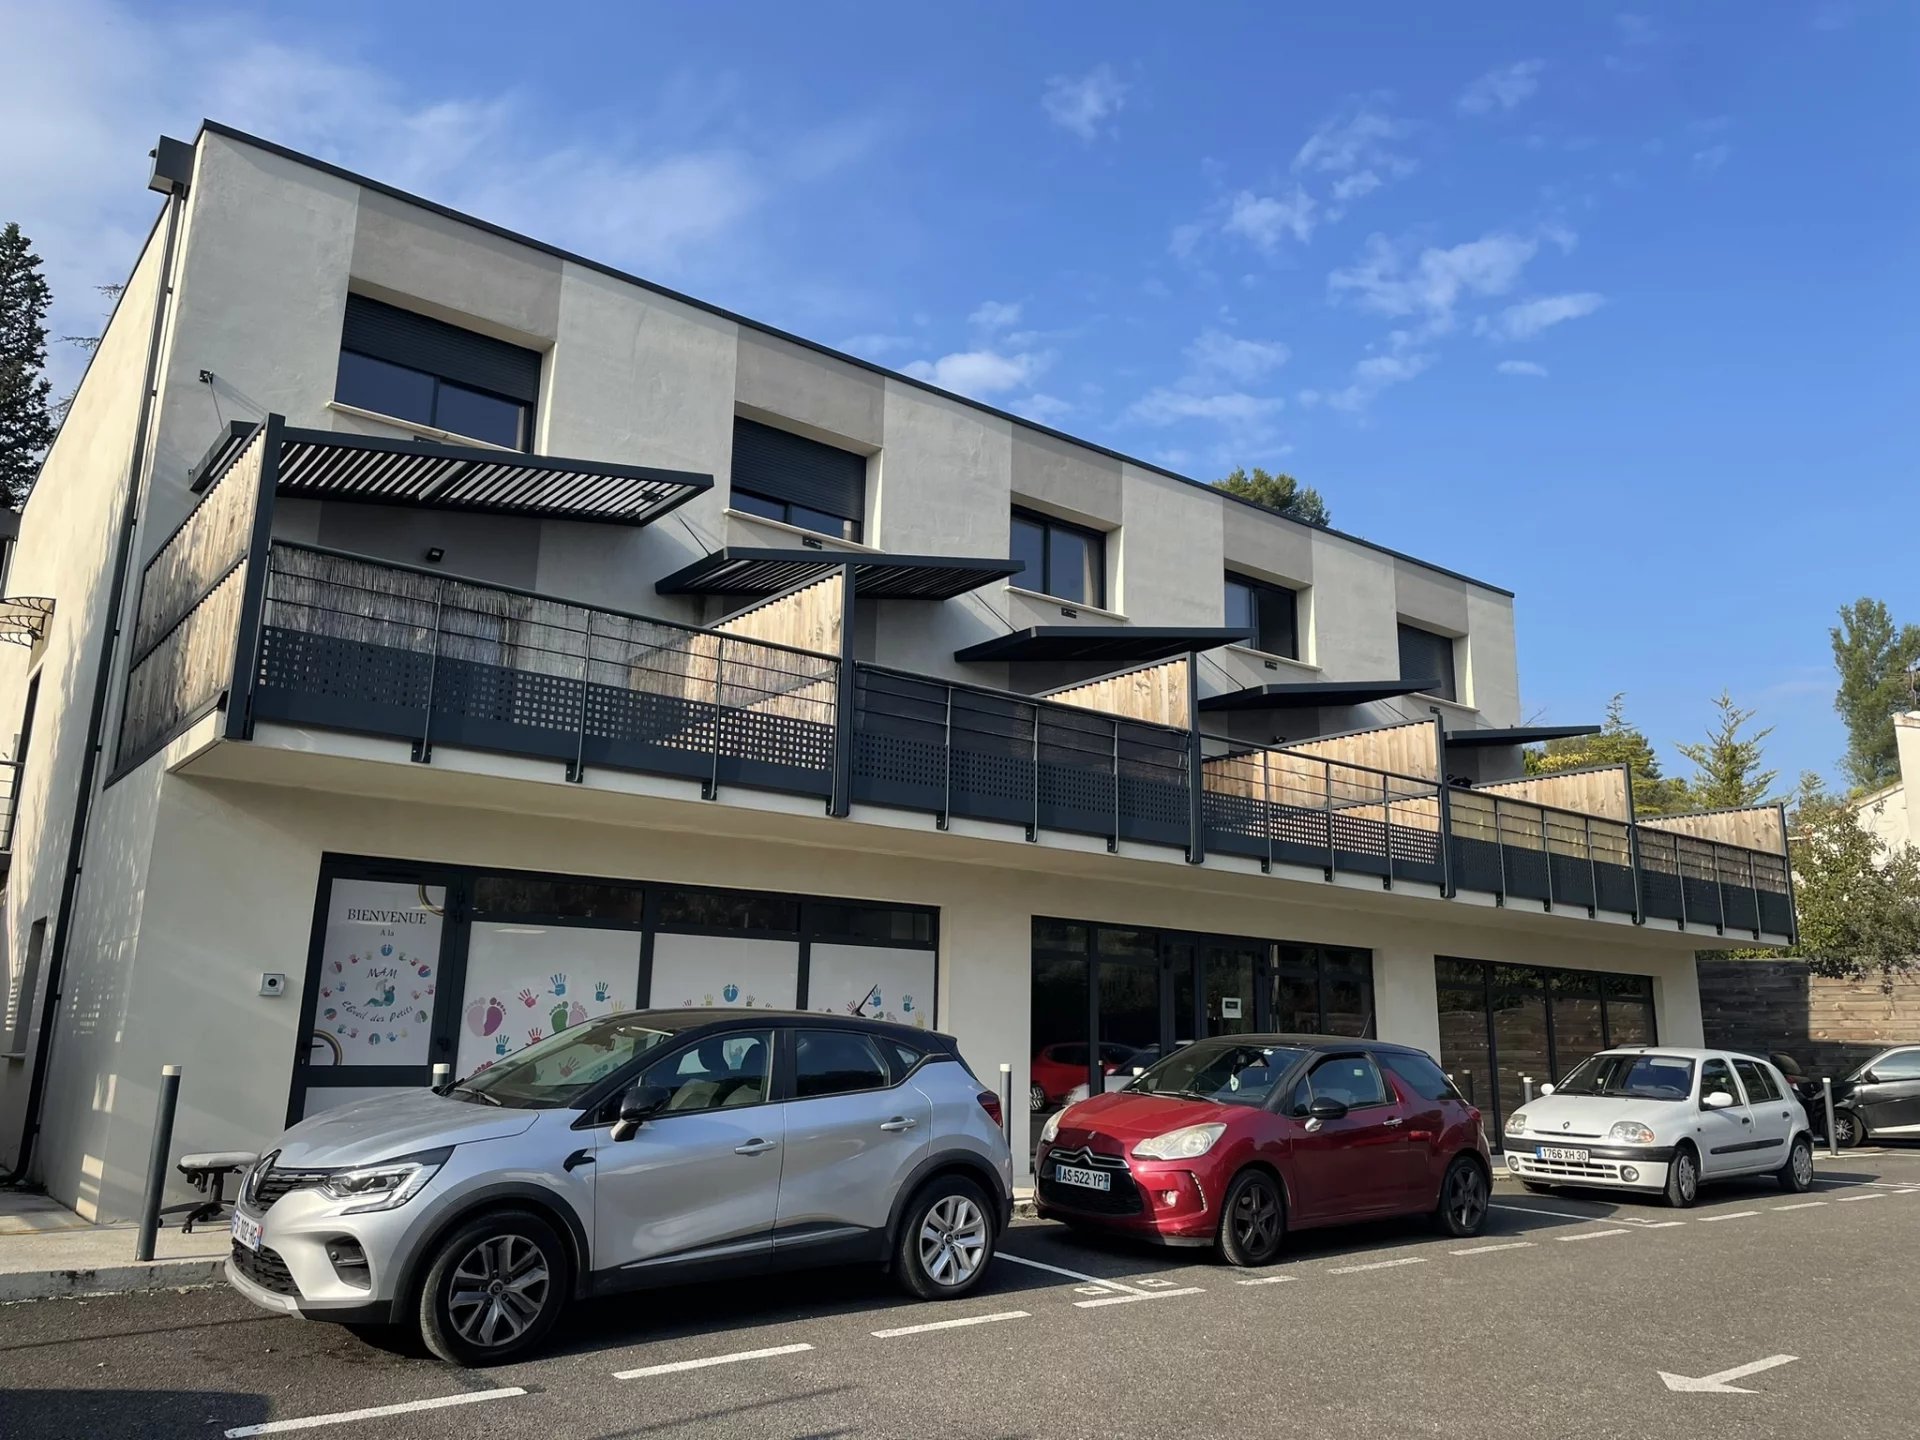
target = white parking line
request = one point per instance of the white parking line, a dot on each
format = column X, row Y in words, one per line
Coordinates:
column 1536, row 1210
column 1128, row 1299
column 1590, row 1235
column 343, row 1417
column 1378, row 1265
column 1732, row 1215
column 1268, row 1280
column 950, row 1324
column 675, row 1367
column 1659, row 1224
column 1803, row 1205
column 1849, row 1199
column 1489, row 1249
column 1070, row 1274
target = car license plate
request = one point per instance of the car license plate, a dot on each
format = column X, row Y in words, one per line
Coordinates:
column 246, row 1231
column 1561, row 1153
column 1087, row 1179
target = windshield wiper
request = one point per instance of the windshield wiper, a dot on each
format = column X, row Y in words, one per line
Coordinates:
column 476, row 1094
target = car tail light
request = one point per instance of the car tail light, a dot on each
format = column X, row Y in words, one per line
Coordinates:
column 990, row 1103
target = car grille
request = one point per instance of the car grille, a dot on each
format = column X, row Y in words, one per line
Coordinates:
column 272, row 1183
column 264, row 1268
column 1122, row 1199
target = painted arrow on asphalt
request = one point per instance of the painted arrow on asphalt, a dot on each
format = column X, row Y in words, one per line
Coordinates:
column 1717, row 1384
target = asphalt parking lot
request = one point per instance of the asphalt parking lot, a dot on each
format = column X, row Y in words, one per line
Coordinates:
column 1560, row 1320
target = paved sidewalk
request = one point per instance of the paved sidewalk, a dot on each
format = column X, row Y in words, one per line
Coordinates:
column 46, row 1250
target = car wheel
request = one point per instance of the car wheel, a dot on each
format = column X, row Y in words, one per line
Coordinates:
column 946, row 1239
column 493, row 1288
column 1253, row 1220
column 1847, row 1129
column 1796, row 1176
column 1463, row 1199
column 1683, row 1178
column 1537, row 1188
column 1036, row 1099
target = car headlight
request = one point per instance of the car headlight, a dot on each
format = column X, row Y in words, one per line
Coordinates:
column 1517, row 1123
column 1050, row 1131
column 1186, row 1144
column 386, row 1186
column 1632, row 1132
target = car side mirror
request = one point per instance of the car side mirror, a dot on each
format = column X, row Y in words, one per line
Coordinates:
column 1717, row 1100
column 638, row 1105
column 1324, row 1109
column 1547, row 1089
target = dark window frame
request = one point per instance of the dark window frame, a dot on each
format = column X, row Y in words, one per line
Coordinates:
column 1255, row 588
column 1387, row 1093
column 1042, row 583
column 889, row 1080
column 769, row 1093
column 850, row 528
column 1449, row 688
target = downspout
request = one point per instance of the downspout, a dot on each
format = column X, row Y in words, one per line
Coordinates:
column 173, row 164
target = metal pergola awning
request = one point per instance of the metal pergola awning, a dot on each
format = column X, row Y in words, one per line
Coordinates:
column 1516, row 735
column 1101, row 644
column 1307, row 694
column 23, row 618
column 370, row 469
column 734, row 570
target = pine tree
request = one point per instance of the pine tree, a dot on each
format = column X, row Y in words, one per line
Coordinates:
column 1726, row 765
column 26, row 421
column 1873, row 657
column 1277, row 492
column 1618, row 743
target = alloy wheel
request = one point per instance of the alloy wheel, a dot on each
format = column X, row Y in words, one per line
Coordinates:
column 1467, row 1197
column 1036, row 1099
column 1256, row 1220
column 1803, row 1165
column 953, row 1240
column 498, row 1290
column 1689, row 1178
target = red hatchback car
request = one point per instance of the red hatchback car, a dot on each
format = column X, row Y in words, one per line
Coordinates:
column 1232, row 1142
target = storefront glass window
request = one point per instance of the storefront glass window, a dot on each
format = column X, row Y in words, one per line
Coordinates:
column 1059, row 1034
column 379, row 974
column 879, row 982
column 526, row 982
column 555, row 899
column 729, row 910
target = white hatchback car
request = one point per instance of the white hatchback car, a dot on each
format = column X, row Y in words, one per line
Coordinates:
column 1663, row 1119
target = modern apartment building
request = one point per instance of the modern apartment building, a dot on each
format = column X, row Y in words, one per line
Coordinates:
column 499, row 639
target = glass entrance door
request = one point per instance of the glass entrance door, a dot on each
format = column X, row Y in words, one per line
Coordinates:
column 1232, row 987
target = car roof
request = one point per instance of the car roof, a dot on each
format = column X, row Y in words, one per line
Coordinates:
column 1683, row 1052
column 1300, row 1041
column 688, row 1019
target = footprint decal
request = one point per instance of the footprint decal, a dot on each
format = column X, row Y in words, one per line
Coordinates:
column 576, row 1013
column 373, row 1038
column 386, row 951
column 330, row 1013
column 558, row 1016
column 731, row 993
column 424, row 971
column 484, row 1016
column 419, row 1017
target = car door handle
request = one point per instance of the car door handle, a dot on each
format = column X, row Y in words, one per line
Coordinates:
column 898, row 1123
column 756, row 1147
column 1746, row 1120
column 1391, row 1123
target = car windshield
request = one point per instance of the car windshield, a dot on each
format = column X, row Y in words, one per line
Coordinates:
column 1232, row 1072
column 1637, row 1077
column 554, row 1071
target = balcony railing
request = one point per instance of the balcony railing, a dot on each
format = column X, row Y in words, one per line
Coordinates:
column 344, row 642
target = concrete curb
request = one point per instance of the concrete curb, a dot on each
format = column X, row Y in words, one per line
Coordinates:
column 111, row 1279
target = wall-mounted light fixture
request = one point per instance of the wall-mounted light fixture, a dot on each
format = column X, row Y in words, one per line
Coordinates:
column 435, row 554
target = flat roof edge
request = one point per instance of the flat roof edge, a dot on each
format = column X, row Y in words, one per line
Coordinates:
column 208, row 126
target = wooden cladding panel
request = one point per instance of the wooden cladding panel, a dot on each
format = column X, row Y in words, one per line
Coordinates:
column 1156, row 693
column 807, row 619
column 1757, row 829
column 1600, row 793
column 1411, row 749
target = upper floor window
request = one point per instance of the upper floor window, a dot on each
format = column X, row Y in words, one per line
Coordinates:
column 798, row 481
column 1269, row 611
column 1068, row 562
column 1428, row 657
column 416, row 368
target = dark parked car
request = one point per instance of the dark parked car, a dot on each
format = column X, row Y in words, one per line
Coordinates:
column 1880, row 1100
column 1234, row 1141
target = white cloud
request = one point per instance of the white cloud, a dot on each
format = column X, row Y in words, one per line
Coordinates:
column 1386, row 281
column 1501, row 89
column 1711, row 158
column 1361, row 138
column 1370, row 377
column 979, row 373
column 1216, row 352
column 1352, row 187
column 995, row 314
column 1522, row 367
column 1084, row 103
column 1166, row 406
column 1265, row 220
column 1527, row 319
column 93, row 82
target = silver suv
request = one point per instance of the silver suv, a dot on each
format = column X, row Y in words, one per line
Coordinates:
column 642, row 1149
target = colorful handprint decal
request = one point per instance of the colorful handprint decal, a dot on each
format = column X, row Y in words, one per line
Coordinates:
column 559, row 985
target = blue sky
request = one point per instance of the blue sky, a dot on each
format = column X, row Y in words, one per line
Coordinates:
column 1615, row 309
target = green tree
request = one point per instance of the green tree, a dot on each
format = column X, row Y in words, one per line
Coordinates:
column 26, row 421
column 1726, row 765
column 1618, row 743
column 1858, row 902
column 1277, row 492
column 1873, row 656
